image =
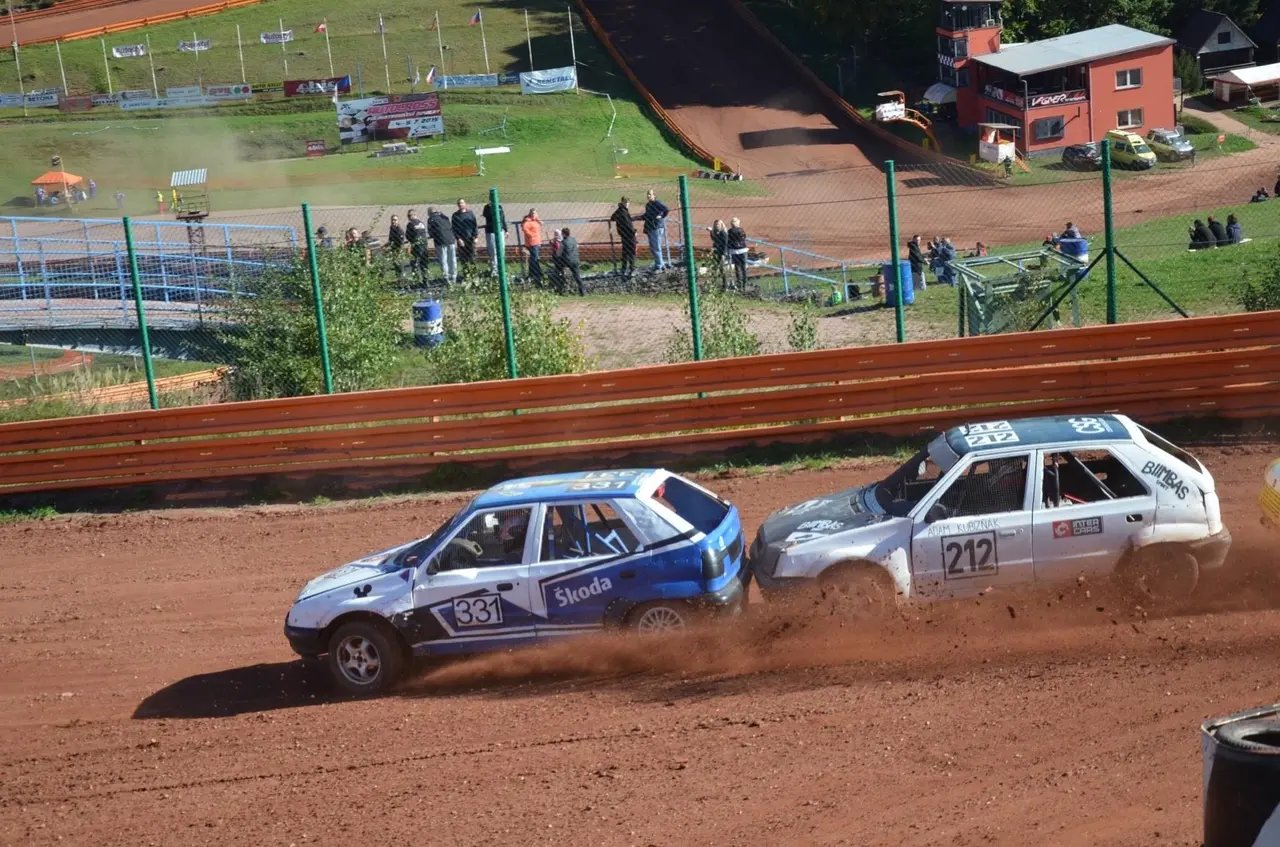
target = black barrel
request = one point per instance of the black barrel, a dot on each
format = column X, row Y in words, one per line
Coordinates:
column 1242, row 779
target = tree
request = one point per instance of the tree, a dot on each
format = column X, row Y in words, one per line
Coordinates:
column 725, row 333
column 1187, row 69
column 274, row 341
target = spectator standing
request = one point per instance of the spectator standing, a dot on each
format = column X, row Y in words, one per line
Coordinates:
column 441, row 232
column 465, row 231
column 737, row 242
column 395, row 243
column 39, row 195
column 494, row 222
column 557, row 261
column 1235, row 232
column 531, row 231
column 624, row 226
column 119, row 198
column 323, row 239
column 160, row 206
column 415, row 232
column 947, row 255
column 915, row 255
column 720, row 248
column 93, row 189
column 571, row 261
column 358, row 245
column 1218, row 231
column 655, row 228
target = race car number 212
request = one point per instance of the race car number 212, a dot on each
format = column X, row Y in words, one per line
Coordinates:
column 967, row 556
column 485, row 610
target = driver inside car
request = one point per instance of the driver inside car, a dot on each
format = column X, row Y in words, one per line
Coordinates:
column 511, row 532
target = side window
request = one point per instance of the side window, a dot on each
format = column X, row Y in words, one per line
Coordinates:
column 1087, row 476
column 987, row 488
column 489, row 539
column 579, row 531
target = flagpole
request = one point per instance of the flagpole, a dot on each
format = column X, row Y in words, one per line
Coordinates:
column 22, row 88
column 386, row 67
column 57, row 45
column 408, row 65
column 105, row 64
column 440, row 42
column 573, row 50
column 484, row 44
column 528, row 39
column 195, row 46
column 240, row 49
column 284, row 53
column 327, row 48
column 151, row 62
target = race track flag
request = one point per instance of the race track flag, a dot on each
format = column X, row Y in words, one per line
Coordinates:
column 475, row 19
column 322, row 27
column 386, row 66
column 435, row 24
column 431, row 75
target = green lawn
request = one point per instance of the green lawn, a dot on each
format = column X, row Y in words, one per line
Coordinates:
column 1259, row 118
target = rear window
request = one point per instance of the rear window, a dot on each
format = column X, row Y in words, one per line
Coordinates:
column 1172, row 449
column 693, row 504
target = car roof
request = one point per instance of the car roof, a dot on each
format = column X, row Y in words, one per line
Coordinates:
column 1035, row 432
column 567, row 486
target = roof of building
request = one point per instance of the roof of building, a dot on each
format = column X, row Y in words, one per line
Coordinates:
column 1258, row 75
column 621, row 483
column 1200, row 26
column 185, row 179
column 1032, row 432
column 1076, row 48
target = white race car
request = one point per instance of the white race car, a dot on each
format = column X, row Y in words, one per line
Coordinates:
column 1270, row 499
column 1007, row 502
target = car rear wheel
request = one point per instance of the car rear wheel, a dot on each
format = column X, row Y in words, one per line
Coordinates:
column 364, row 658
column 858, row 591
column 659, row 618
column 1162, row 575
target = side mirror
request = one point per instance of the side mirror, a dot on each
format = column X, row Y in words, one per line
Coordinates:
column 936, row 513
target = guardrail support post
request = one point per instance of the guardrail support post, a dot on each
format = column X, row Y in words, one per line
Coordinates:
column 44, row 277
column 120, row 279
column 782, row 263
column 690, row 267
column 17, row 255
column 500, row 247
column 1109, row 232
column 142, row 315
column 321, row 334
column 894, row 261
column 962, row 289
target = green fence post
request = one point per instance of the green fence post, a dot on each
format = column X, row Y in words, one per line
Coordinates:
column 500, row 245
column 1109, row 232
column 961, row 307
column 690, row 267
column 142, row 314
column 315, row 295
column 898, row 314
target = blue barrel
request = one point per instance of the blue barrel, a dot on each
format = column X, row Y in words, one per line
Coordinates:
column 904, row 282
column 1076, row 248
column 428, row 323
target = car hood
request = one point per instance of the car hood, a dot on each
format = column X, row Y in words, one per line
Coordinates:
column 369, row 567
column 821, row 516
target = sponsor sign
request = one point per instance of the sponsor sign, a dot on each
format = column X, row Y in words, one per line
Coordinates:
column 512, row 78
column 75, row 104
column 281, row 37
column 135, row 94
column 467, row 81
column 306, row 87
column 129, row 51
column 548, row 81
column 390, row 118
column 1167, row 478
column 197, row 46
column 238, row 91
column 995, row 92
column 315, row 149
column 34, row 98
column 105, row 99
column 1059, row 98
column 183, row 92
column 1078, row 526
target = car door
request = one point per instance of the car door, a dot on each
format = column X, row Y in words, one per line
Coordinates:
column 974, row 529
column 588, row 556
column 1091, row 506
column 474, row 592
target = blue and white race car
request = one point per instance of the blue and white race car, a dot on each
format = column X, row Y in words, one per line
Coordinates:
column 527, row 560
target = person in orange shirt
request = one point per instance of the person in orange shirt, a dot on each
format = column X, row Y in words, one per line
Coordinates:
column 531, row 229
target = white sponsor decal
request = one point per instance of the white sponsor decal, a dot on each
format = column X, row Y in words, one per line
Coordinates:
column 129, row 51
column 545, row 82
column 570, row 596
column 820, row 526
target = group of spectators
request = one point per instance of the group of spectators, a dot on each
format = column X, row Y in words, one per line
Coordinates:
column 453, row 238
column 937, row 256
column 1214, row 234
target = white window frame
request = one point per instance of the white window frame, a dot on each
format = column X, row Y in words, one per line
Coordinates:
column 1132, row 123
column 1128, row 75
column 1062, row 128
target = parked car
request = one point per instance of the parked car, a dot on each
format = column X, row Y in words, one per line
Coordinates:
column 1082, row 157
column 1170, row 145
column 1270, row 499
column 1128, row 150
column 1005, row 503
column 528, row 560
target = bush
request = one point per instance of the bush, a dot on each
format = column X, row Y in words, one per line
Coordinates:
column 276, row 349
column 803, row 332
column 1260, row 295
column 475, row 345
column 1195, row 125
column 724, row 330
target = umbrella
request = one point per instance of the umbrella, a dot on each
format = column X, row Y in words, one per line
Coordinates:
column 57, row 178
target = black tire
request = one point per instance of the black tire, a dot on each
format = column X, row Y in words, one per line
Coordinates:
column 858, row 590
column 1261, row 737
column 365, row 658
column 1161, row 576
column 660, row 617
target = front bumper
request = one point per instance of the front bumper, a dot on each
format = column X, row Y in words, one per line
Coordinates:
column 306, row 642
column 1211, row 552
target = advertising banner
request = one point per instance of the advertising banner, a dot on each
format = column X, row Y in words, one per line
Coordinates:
column 306, row 87
column 512, row 78
column 129, row 51
column 315, row 148
column 105, row 99
column 548, row 81
column 198, row 46
column 75, row 104
column 391, row 118
column 39, row 99
column 1060, row 98
column 135, row 94
column 281, row 37
column 467, row 81
column 183, row 92
column 237, row 91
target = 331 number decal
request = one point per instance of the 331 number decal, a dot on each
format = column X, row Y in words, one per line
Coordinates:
column 485, row 610
column 967, row 556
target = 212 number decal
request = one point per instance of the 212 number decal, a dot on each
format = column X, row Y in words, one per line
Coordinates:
column 968, row 556
column 485, row 610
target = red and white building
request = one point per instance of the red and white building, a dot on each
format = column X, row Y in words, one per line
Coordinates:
column 1060, row 91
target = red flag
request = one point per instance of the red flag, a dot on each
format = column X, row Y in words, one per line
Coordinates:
column 432, row 28
column 322, row 27
column 475, row 19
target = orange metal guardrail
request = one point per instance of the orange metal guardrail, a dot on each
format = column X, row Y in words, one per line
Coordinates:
column 138, row 23
column 1226, row 366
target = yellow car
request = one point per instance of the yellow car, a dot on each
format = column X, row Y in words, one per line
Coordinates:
column 1270, row 499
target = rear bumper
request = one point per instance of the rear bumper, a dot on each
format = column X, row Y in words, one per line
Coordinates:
column 730, row 599
column 1211, row 552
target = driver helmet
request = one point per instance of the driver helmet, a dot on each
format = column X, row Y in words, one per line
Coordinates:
column 512, row 527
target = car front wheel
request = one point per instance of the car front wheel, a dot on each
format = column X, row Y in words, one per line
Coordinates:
column 364, row 658
column 659, row 618
column 859, row 591
column 1162, row 575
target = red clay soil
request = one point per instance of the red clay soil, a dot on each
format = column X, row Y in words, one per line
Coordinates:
column 732, row 91
column 68, row 361
column 82, row 19
column 150, row 698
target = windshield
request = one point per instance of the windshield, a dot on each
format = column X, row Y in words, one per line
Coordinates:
column 1141, row 148
column 412, row 555
column 900, row 491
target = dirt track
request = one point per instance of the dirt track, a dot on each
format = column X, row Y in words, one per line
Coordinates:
column 150, row 698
